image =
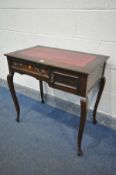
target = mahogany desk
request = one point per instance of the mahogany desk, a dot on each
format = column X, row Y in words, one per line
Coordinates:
column 70, row 71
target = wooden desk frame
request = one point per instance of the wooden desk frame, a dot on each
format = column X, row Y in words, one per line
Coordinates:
column 73, row 81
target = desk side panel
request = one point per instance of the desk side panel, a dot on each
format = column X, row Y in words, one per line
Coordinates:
column 95, row 76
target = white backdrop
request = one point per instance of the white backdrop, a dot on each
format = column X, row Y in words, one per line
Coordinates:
column 83, row 25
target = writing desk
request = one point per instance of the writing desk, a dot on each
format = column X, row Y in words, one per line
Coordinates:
column 70, row 71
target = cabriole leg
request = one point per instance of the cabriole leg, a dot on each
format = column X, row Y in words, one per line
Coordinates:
column 102, row 83
column 41, row 90
column 12, row 91
column 84, row 109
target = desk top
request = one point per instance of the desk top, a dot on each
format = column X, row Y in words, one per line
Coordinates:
column 71, row 60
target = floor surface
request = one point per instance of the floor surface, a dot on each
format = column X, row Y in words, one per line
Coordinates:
column 44, row 142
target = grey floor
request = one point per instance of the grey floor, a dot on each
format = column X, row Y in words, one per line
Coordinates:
column 44, row 142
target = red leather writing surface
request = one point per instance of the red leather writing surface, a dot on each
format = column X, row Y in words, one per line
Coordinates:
column 59, row 56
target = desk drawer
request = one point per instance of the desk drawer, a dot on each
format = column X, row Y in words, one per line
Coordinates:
column 30, row 68
column 65, row 81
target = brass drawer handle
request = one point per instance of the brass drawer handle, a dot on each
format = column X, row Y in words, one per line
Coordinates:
column 30, row 67
column 52, row 78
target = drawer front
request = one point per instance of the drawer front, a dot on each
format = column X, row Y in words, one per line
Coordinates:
column 65, row 81
column 30, row 68
column 59, row 79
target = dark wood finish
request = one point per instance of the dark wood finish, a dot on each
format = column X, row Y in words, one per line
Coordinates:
column 102, row 84
column 84, row 109
column 12, row 90
column 41, row 90
column 77, row 76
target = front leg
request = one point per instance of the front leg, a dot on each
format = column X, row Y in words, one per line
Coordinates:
column 84, row 109
column 12, row 91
